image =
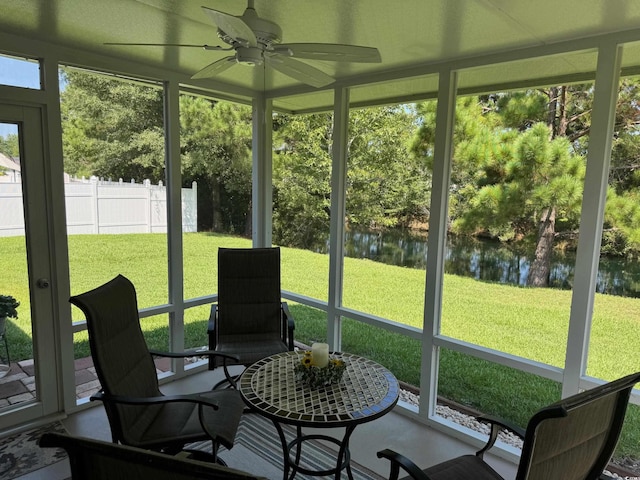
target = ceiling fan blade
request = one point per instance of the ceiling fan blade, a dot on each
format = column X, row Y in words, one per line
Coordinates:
column 233, row 26
column 215, row 68
column 299, row 70
column 330, row 51
column 205, row 47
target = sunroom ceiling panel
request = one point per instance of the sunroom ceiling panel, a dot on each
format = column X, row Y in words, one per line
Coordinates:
column 411, row 36
column 532, row 72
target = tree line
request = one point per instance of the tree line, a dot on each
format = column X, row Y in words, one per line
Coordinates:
column 519, row 162
column 519, row 167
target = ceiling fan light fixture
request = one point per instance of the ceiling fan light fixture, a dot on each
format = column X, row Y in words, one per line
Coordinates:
column 251, row 56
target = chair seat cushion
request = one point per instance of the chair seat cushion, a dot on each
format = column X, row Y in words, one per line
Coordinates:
column 179, row 422
column 467, row 467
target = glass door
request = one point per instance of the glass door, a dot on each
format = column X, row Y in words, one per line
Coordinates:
column 28, row 369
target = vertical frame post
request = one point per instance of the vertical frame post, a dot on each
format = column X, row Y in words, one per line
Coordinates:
column 174, row 219
column 262, row 173
column 338, row 211
column 591, row 218
column 438, row 221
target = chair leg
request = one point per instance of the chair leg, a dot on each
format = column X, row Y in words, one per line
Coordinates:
column 229, row 379
column 230, row 382
column 205, row 456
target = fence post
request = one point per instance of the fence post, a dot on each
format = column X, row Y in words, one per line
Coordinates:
column 193, row 214
column 147, row 184
column 160, row 203
column 94, row 203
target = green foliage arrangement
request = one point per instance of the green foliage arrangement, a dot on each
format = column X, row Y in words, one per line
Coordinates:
column 8, row 306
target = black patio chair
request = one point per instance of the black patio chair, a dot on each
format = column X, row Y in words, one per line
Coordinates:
column 95, row 460
column 139, row 414
column 572, row 439
column 250, row 321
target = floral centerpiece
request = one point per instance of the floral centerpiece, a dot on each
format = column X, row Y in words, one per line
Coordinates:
column 316, row 376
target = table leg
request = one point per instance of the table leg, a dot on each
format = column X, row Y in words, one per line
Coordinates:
column 344, row 448
column 298, row 452
column 285, row 452
column 343, row 460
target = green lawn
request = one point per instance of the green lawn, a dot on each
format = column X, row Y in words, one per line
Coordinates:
column 531, row 323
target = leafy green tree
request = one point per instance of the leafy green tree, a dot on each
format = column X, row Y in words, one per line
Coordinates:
column 622, row 223
column 527, row 184
column 302, row 179
column 519, row 156
column 9, row 145
column 386, row 185
column 621, row 234
column 114, row 129
column 512, row 179
column 624, row 173
column 215, row 145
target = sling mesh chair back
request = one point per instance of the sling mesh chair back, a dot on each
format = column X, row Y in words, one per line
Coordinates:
column 139, row 414
column 250, row 321
column 572, row 439
column 95, row 460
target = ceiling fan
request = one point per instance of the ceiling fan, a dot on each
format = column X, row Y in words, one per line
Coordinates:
column 256, row 41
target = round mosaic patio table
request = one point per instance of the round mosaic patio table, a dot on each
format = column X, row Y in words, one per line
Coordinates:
column 366, row 392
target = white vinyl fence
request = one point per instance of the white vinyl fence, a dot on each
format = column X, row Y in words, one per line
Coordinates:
column 97, row 206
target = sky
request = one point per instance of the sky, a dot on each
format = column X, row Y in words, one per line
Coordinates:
column 17, row 73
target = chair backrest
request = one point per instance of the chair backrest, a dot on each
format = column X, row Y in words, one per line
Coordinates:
column 574, row 438
column 249, row 291
column 119, row 351
column 96, row 460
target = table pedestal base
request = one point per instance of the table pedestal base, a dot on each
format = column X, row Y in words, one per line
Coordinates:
column 293, row 453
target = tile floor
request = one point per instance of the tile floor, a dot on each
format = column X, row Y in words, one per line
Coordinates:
column 424, row 445
column 19, row 383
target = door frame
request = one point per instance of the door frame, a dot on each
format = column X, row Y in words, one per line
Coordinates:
column 41, row 265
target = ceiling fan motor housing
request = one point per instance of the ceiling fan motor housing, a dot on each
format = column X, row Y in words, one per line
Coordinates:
column 249, row 56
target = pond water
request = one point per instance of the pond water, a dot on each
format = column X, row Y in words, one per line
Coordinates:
column 486, row 260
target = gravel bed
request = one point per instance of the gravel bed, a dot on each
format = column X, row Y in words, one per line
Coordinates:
column 463, row 419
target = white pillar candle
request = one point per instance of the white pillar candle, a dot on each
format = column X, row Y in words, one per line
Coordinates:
column 320, row 354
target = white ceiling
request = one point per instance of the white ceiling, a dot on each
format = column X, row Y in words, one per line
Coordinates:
column 414, row 37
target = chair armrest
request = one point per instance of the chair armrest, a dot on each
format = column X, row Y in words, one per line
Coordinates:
column 192, row 353
column 126, row 400
column 520, row 432
column 497, row 425
column 290, row 322
column 211, row 326
column 397, row 460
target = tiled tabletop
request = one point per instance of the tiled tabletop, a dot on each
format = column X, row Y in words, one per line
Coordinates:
column 367, row 391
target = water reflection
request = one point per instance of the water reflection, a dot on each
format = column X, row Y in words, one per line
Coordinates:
column 485, row 260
